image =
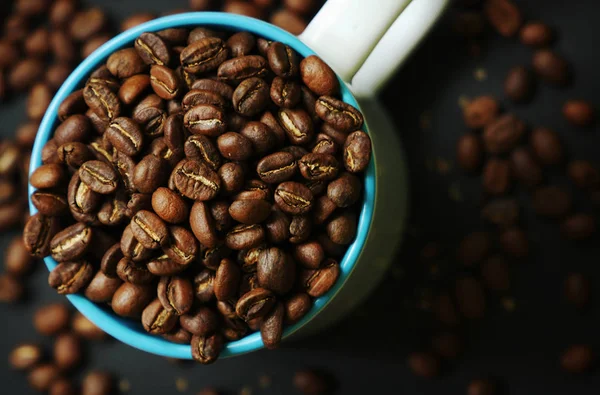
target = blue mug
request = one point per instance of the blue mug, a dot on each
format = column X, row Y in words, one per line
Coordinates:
column 362, row 72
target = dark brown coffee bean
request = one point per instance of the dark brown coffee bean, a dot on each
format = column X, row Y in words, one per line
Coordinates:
column 178, row 335
column 87, row 24
column 255, row 189
column 169, row 206
column 201, row 322
column 503, row 134
column 241, row 44
column 300, row 229
column 11, row 289
column 37, row 43
column 227, row 278
column 131, row 299
column 249, row 258
column 204, row 55
column 480, row 112
column 153, row 49
column 583, row 174
column 323, row 209
column 56, row 74
column 288, row 20
column 243, row 237
column 293, row 198
column 325, row 145
column 205, row 119
column 218, row 87
column 424, row 364
column 536, row 34
column 149, row 229
column 250, row 211
column 93, row 44
column 277, row 167
column 125, row 135
column 283, row 60
column 469, row 152
column 62, row 386
column 501, row 212
column 76, row 128
column 519, row 84
column 200, row 147
column 197, row 97
column 49, row 204
column 577, row 358
column 133, row 272
column 345, row 190
column 206, row 349
column 481, row 387
column 232, row 178
column 42, row 376
column 357, row 152
column 309, row 254
column 546, row 146
column 103, row 76
column 551, row 202
column 184, row 247
column 48, row 176
column 577, row 290
column 277, row 131
column 125, row 63
column 73, row 104
column 447, row 345
column 39, row 231
column 525, row 168
column 260, row 135
column 504, row 16
column 151, row 120
column 71, row 243
column 338, row 114
column 176, row 294
column 164, row 266
column 9, row 54
column 551, row 67
column 51, row 319
column 195, row 180
column 251, row 96
column 276, row 270
column 25, row 356
column 74, row 154
column 514, row 242
column 495, row 273
column 110, row 260
column 255, row 304
column 9, row 158
column 311, row 382
column 71, row 277
column 102, row 101
column 271, row 329
column 165, row 82
column 24, row 74
column 97, row 383
column 49, row 154
column 319, row 77
column 17, row 260
column 158, row 320
column 174, row 36
column 238, row 69
column 296, row 307
column 578, row 227
column 496, row 176
column 234, row 146
column 99, row 176
column 319, row 167
column 67, row 352
column 202, row 224
column 579, row 113
column 133, row 88
column 150, row 173
column 277, row 227
column 284, row 93
column 204, row 286
column 318, row 282
column 342, row 229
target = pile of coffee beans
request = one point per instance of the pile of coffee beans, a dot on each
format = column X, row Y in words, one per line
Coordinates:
column 206, row 182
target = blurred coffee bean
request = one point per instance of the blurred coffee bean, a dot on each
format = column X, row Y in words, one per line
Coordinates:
column 424, row 364
column 546, row 146
column 25, row 356
column 577, row 359
column 447, row 345
column 9, row 54
column 51, row 319
column 469, row 24
column 62, row 386
column 577, row 290
column 480, row 112
column 86, row 328
column 583, row 174
column 469, row 152
column 495, row 273
column 67, row 352
column 88, row 23
column 503, row 134
column 551, row 202
column 312, row 382
column 42, row 376
column 38, row 101
column 289, row 21
column 501, row 212
column 525, row 168
column 17, row 260
column 25, row 73
column 37, row 43
column 504, row 16
column 551, row 67
column 579, row 113
column 63, row 47
column 578, row 227
column 243, row 8
column 514, row 242
column 61, row 12
column 97, row 383
column 136, row 19
column 470, row 297
column 496, row 176
column 482, row 387
column 56, row 74
column 93, row 44
column 519, row 84
column 11, row 289
column 474, row 248
column 536, row 34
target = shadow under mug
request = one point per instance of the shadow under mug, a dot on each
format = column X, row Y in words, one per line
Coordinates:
column 380, row 222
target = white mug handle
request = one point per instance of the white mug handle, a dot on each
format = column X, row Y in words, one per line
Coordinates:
column 365, row 41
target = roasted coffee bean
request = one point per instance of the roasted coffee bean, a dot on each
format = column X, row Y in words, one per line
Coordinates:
column 482, row 387
column 583, row 174
column 470, row 297
column 238, row 69
column 111, row 258
column 206, row 349
column 296, row 307
column 47, row 176
column 71, row 243
column 551, row 202
column 424, row 364
column 250, row 211
column 11, row 289
column 481, row 112
column 551, row 67
column 469, row 152
column 153, row 49
column 202, row 224
column 17, row 260
column 25, row 356
column 251, row 96
column 93, row 44
column 514, row 242
column 260, row 135
column 325, row 145
column 204, row 286
column 164, row 82
column 495, row 273
column 300, row 229
column 277, row 227
column 133, row 272
column 255, row 304
column 49, row 155
column 501, row 212
column 319, row 78
column 51, row 319
column 284, row 62
column 218, row 87
column 9, row 54
column 241, row 44
column 285, row 93
column 9, row 158
column 525, row 168
column 579, row 113
column 71, row 277
column 178, row 335
column 234, row 146
column 113, row 211
column 345, row 190
column 133, row 88
column 125, row 63
column 309, row 254
column 254, row 189
column 183, row 249
column 164, row 266
column 201, row 322
column 220, row 213
column 87, row 24
column 76, row 128
column 227, row 278
column 293, row 198
column 319, row 167
column 37, row 43
column 577, row 358
column 150, row 173
column 149, row 230
column 67, row 352
column 158, row 320
column 125, row 135
column 132, row 248
column 232, row 178
column 74, row 154
column 519, row 84
column 504, row 16
column 42, row 376
column 546, row 146
column 204, row 55
column 288, row 20
column 176, row 294
column 205, row 119
column 103, row 76
column 26, row 133
column 244, row 237
column 323, row 209
column 102, row 101
column 99, row 176
column 277, row 131
column 38, row 101
column 503, row 134
column 56, row 74
column 318, row 282
column 24, row 74
column 39, row 231
column 577, row 290
column 338, row 114
column 342, row 229
column 536, row 34
column 277, row 167
column 197, row 97
column 97, row 383
column 357, row 152
column 195, row 180
column 174, row 36
column 496, row 176
column 297, row 151
column 49, row 204
column 276, row 270
column 62, row 386
column 131, row 299
column 316, row 187
column 578, row 227
column 99, row 125
column 271, row 329
column 86, row 328
column 151, row 120
column 200, row 147
column 169, row 206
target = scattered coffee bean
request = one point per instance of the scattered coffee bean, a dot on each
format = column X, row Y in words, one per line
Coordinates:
column 25, row 356
column 470, row 297
column 536, row 34
column 51, row 319
column 496, row 176
column 97, row 383
column 311, row 382
column 481, row 112
column 42, row 376
column 552, row 202
column 474, row 248
column 583, row 174
column 519, row 84
column 504, row 16
column 86, row 328
column 11, row 289
column 525, row 168
column 579, row 113
column 503, row 134
column 514, row 242
column 577, row 359
column 577, row 290
column 546, row 146
column 423, row 364
column 469, row 152
column 551, row 67
column 501, row 212
column 578, row 226
column 67, row 352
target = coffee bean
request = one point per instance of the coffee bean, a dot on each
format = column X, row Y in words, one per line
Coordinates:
column 342, row 229
column 323, row 209
column 325, row 145
column 504, row 16
column 164, row 82
column 423, row 364
column 241, row 44
column 111, row 258
column 67, row 352
column 158, row 320
column 577, row 290
column 204, row 55
column 578, row 227
column 47, row 176
column 276, row 270
column 469, row 152
column 195, row 180
column 501, row 212
column 38, row 101
column 288, row 20
column 250, row 211
column 514, row 242
column 176, row 294
column 238, row 69
column 125, row 63
column 470, row 297
column 357, row 152
column 271, row 329
column 551, row 67
column 197, row 97
column 446, row 344
column 251, row 96
column 318, row 167
column 71, row 243
column 206, row 349
column 201, row 322
column 152, row 49
column 169, row 206
column 87, row 24
column 318, row 76
column 481, row 112
column 536, row 34
column 149, row 229
column 227, row 278
column 9, row 54
column 234, row 146
column 345, row 190
column 97, row 383
column 525, row 168
column 481, row 387
column 244, row 237
column 503, row 134
column 71, row 277
column 51, row 319
column 578, row 358
column 293, row 198
column 42, row 376
column 11, row 289
column 62, row 386
column 318, row 282
column 495, row 273
column 24, row 74
column 296, row 307
column 17, row 260
column 150, row 173
column 300, row 228
column 309, row 254
column 49, row 204
column 102, row 101
column 579, row 113
column 496, row 176
column 39, row 231
column 260, row 135
column 202, row 224
column 214, row 86
column 583, row 174
column 254, row 304
column 551, row 202
column 205, row 119
column 546, row 146
column 183, row 249
column 277, row 131
column 338, row 114
column 25, row 356
column 99, row 177
column 134, row 273
column 284, row 93
column 284, row 61
column 200, row 147
column 277, row 167
column 125, row 135
column 277, row 227
column 519, row 84
column 133, row 88
column 131, row 299
column 204, row 286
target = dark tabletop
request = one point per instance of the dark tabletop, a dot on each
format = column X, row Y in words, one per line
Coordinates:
column 367, row 352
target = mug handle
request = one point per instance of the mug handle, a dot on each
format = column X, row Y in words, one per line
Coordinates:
column 365, row 43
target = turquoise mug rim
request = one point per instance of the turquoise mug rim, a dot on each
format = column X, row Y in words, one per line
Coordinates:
column 124, row 329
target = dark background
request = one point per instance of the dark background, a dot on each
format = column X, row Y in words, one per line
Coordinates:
column 367, row 352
